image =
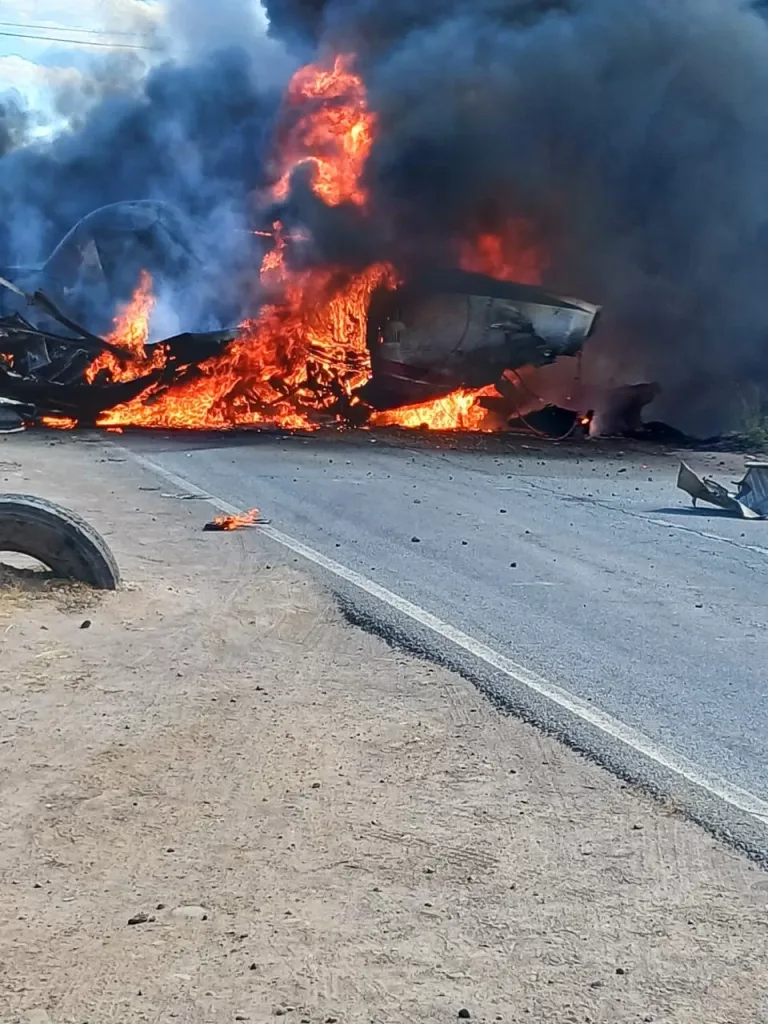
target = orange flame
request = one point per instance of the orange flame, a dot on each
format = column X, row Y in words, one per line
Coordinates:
column 333, row 138
column 58, row 422
column 457, row 411
column 290, row 363
column 131, row 332
column 306, row 352
column 228, row 523
column 307, row 349
column 509, row 255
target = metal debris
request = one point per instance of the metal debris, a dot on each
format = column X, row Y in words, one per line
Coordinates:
column 14, row 415
column 749, row 501
column 46, row 369
column 452, row 329
column 753, row 489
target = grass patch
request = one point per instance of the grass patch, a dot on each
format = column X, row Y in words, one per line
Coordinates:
column 754, row 418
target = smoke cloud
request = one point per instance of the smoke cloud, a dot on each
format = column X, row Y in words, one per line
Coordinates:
column 191, row 132
column 14, row 122
column 631, row 137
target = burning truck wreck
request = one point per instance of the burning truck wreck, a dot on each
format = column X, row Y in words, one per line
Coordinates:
column 375, row 349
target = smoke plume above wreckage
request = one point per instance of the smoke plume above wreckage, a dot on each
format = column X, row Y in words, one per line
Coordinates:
column 599, row 149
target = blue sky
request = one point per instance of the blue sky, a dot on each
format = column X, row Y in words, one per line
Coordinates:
column 36, row 68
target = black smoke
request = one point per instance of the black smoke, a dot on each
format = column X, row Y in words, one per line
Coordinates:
column 193, row 133
column 14, row 122
column 634, row 136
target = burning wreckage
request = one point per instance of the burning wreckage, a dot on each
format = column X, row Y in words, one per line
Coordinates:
column 441, row 343
column 328, row 344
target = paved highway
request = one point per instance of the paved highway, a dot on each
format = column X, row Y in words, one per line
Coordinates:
column 616, row 616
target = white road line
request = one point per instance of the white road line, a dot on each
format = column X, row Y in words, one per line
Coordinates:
column 649, row 517
column 756, row 549
column 717, row 786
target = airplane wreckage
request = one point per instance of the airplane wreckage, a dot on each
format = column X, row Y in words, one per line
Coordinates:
column 427, row 338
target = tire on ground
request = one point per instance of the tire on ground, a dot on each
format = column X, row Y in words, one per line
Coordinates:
column 58, row 538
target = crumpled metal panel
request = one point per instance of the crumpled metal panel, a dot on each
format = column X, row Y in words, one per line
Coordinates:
column 749, row 502
column 453, row 329
column 753, row 489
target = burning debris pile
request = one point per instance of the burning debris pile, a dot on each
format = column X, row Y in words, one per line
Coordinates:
column 72, row 377
column 432, row 354
column 327, row 344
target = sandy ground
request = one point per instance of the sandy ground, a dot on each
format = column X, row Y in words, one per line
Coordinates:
column 313, row 825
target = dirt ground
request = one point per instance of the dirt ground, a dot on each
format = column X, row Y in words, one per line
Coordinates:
column 312, row 824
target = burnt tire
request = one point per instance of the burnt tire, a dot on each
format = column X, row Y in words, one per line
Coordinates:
column 58, row 538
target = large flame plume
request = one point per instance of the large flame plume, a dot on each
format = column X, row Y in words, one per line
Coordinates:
column 334, row 135
column 305, row 353
column 131, row 332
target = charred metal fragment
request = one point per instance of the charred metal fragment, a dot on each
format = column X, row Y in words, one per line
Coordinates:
column 83, row 402
column 750, row 501
column 83, row 337
column 187, row 348
column 48, row 369
column 14, row 416
column 453, row 329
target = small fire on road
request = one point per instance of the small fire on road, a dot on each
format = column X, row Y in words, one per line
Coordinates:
column 227, row 523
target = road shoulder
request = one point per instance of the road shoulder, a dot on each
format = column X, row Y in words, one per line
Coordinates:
column 364, row 835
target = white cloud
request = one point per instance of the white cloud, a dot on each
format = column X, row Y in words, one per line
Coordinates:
column 42, row 69
column 177, row 27
column 37, row 85
column 64, row 19
column 45, row 71
column 28, row 77
column 102, row 15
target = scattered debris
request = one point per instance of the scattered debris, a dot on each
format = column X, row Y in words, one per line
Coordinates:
column 140, row 919
column 224, row 524
column 58, row 538
column 45, row 370
column 750, row 501
column 14, row 416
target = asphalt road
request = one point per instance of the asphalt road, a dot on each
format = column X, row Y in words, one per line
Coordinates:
column 581, row 564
